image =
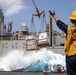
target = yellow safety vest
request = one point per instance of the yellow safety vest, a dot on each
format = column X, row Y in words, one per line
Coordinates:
column 70, row 43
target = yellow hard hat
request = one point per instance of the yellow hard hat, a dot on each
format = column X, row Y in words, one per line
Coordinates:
column 73, row 15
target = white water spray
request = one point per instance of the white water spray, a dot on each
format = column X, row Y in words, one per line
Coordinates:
column 30, row 61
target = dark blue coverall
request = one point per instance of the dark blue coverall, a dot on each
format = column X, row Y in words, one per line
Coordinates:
column 70, row 60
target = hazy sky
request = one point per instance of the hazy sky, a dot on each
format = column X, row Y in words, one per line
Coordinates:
column 20, row 11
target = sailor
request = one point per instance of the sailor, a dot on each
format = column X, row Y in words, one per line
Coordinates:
column 70, row 43
column 58, row 68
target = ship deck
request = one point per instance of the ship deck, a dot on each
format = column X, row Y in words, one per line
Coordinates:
column 30, row 73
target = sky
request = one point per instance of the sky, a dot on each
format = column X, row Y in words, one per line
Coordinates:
column 20, row 11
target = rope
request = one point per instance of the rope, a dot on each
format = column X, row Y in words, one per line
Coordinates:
column 32, row 27
column 43, row 23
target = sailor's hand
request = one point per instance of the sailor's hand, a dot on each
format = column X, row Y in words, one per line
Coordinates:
column 52, row 13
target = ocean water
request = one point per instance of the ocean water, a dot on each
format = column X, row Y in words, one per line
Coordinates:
column 20, row 60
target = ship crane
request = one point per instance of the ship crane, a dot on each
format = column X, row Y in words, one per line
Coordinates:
column 38, row 14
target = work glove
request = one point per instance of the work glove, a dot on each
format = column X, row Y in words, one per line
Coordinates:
column 52, row 12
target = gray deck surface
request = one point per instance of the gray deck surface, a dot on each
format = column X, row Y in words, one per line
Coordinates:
column 30, row 73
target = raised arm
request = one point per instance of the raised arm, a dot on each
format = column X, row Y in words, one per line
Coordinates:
column 59, row 23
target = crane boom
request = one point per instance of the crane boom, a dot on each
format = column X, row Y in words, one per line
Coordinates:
column 34, row 3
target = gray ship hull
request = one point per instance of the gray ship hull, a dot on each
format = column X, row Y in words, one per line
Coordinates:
column 8, row 45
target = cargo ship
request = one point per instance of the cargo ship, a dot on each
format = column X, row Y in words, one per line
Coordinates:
column 29, row 41
column 26, row 40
